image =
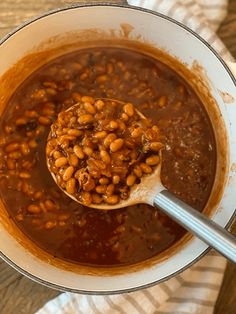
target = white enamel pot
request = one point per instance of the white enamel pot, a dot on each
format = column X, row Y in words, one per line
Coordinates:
column 187, row 47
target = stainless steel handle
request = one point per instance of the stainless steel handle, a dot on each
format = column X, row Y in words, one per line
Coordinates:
column 205, row 229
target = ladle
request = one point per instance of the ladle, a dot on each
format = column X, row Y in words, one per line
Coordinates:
column 151, row 191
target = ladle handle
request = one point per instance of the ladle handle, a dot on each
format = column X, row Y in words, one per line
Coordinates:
column 205, row 229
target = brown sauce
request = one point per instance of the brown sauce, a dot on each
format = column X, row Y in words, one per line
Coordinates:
column 87, row 236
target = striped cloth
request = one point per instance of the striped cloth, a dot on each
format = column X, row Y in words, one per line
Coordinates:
column 195, row 290
column 203, row 16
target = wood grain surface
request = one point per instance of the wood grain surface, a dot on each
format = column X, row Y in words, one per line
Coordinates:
column 19, row 294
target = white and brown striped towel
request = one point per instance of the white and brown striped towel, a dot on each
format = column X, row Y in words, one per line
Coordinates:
column 195, row 290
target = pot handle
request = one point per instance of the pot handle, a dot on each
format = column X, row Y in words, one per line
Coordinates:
column 232, row 66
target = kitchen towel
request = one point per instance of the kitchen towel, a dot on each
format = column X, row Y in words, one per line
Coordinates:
column 195, row 290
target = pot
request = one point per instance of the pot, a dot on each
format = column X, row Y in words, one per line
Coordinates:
column 67, row 29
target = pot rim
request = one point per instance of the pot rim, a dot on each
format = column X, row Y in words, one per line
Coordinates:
column 125, row 6
column 194, row 34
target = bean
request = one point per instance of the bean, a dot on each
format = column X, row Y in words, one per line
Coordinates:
column 116, row 145
column 73, row 159
column 131, row 180
column 21, row 121
column 110, row 68
column 113, row 125
column 50, row 224
column 89, row 107
column 49, row 105
column 104, row 181
column 96, row 199
column 79, row 152
column 56, row 154
column 49, row 150
column 122, row 125
column 68, row 173
column 70, row 186
column 74, row 132
column 115, row 179
column 51, row 91
column 88, row 99
column 33, row 209
column 76, row 96
column 112, row 200
column 49, row 204
column 133, row 155
column 24, row 175
column 162, row 101
column 102, row 78
column 110, row 189
column 109, row 138
column 101, row 134
column 11, row 164
column 121, row 65
column 63, row 217
column 155, row 128
column 63, row 131
column 145, row 168
column 31, row 114
column 99, row 104
column 36, row 222
column 49, row 112
column 44, row 120
column 9, row 129
column 12, row 147
column 25, row 148
column 156, row 146
column 120, row 229
column 38, row 195
column 65, row 138
column 38, row 93
column 153, row 160
column 88, row 150
column 86, row 141
column 99, row 164
column 27, row 164
column 33, row 144
column 136, row 132
column 136, row 229
column 101, row 189
column 138, row 171
column 77, row 66
column 86, row 198
column 50, row 84
column 39, row 130
column 105, row 157
column 62, row 161
column 19, row 217
column 129, row 109
column 15, row 155
column 124, row 117
column 25, row 188
column 127, row 75
column 85, row 119
column 72, row 120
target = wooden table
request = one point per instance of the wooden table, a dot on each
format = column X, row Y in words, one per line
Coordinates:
column 21, row 295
